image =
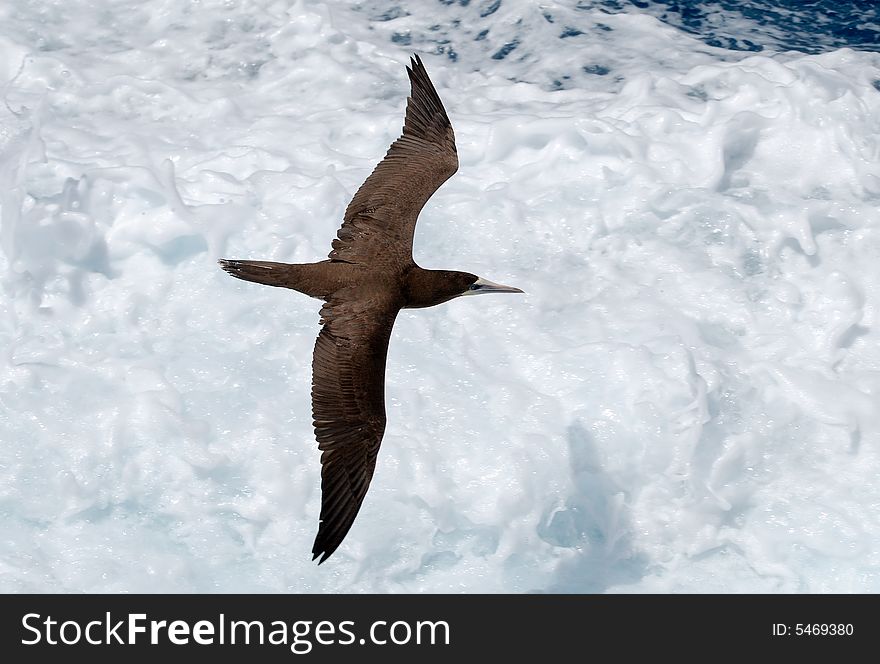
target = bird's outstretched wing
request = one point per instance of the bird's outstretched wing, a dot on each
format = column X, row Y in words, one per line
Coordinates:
column 380, row 221
column 348, row 407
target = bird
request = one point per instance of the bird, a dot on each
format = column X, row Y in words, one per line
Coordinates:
column 368, row 277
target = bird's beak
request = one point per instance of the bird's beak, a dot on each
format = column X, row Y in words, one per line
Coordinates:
column 485, row 286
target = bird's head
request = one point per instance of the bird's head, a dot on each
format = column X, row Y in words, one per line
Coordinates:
column 458, row 284
column 425, row 288
column 479, row 285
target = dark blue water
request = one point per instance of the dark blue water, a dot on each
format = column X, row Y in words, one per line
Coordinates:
column 811, row 26
column 483, row 32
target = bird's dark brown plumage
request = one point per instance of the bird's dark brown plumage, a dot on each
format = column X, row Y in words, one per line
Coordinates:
column 370, row 275
column 348, row 407
column 380, row 221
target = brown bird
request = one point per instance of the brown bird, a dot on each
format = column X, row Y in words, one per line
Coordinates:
column 370, row 276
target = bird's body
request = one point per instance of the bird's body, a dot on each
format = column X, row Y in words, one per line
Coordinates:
column 369, row 277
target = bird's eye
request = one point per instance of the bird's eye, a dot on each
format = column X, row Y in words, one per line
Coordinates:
column 473, row 286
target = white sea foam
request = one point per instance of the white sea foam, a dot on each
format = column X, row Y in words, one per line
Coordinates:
column 686, row 399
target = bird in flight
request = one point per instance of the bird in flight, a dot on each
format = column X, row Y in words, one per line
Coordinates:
column 369, row 276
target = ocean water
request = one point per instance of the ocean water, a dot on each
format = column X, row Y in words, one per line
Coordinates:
column 685, row 400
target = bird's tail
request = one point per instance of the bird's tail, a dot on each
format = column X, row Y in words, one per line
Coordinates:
column 313, row 279
column 261, row 272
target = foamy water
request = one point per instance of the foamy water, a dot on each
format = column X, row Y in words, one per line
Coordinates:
column 686, row 399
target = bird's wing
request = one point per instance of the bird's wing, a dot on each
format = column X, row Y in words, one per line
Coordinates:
column 380, row 221
column 348, row 407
